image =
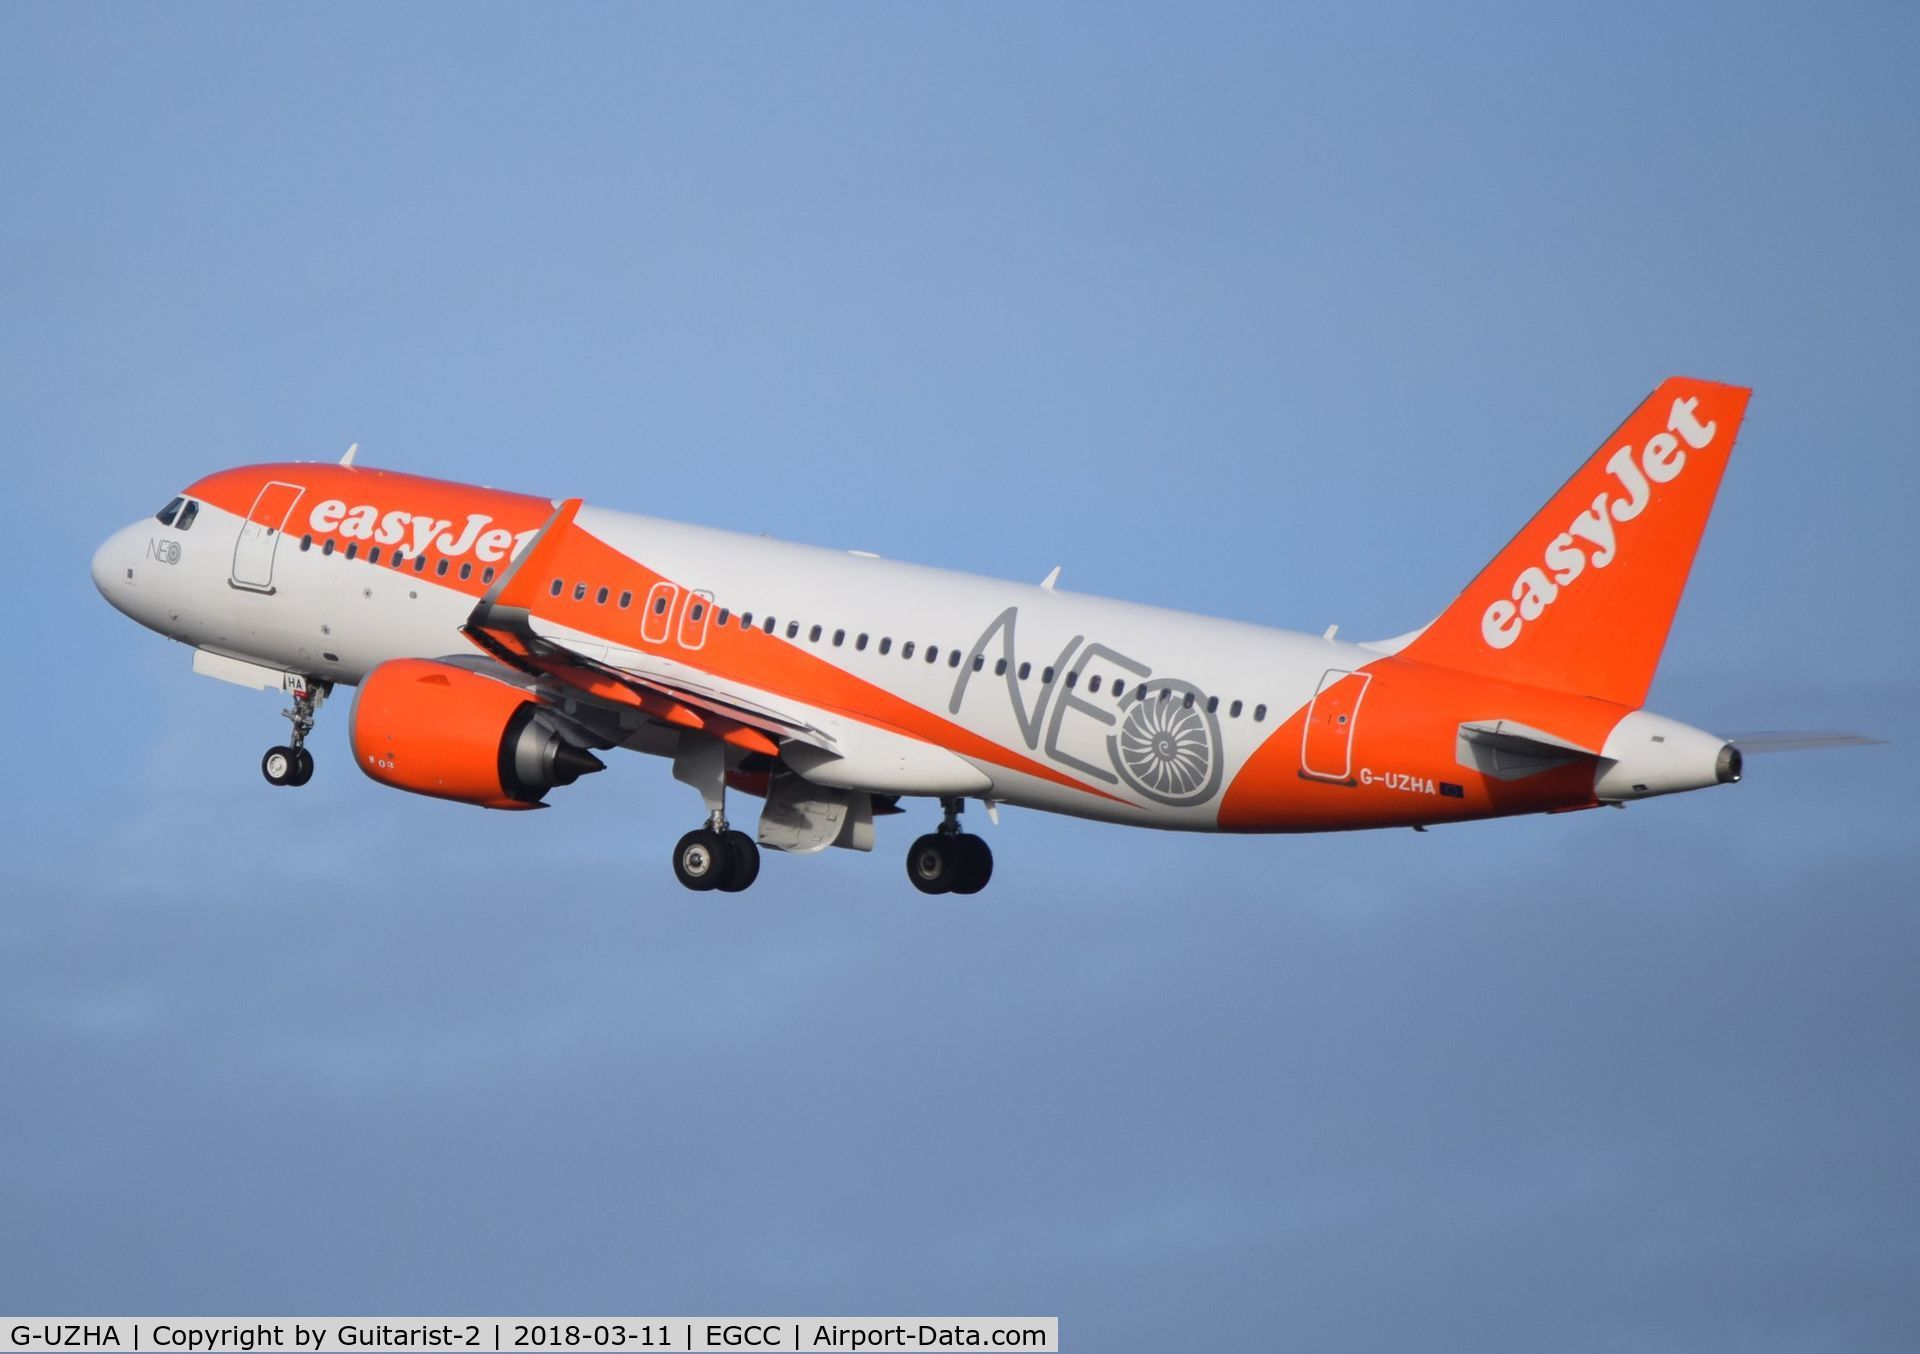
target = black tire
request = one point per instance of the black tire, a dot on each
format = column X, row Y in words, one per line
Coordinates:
column 975, row 864
column 932, row 863
column 701, row 861
column 280, row 765
column 303, row 767
column 743, row 865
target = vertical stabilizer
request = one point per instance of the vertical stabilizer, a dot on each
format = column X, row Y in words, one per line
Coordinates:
column 1582, row 598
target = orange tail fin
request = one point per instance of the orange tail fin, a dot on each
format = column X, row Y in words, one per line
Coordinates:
column 1582, row 599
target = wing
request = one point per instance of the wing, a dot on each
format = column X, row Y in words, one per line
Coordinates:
column 502, row 626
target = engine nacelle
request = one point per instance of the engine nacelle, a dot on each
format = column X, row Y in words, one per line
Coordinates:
column 452, row 733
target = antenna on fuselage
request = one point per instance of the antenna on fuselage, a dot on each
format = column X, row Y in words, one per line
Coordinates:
column 348, row 458
column 1051, row 579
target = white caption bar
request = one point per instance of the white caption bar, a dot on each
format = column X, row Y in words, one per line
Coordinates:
column 512, row 1334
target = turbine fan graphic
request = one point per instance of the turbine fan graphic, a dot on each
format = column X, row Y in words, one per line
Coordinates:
column 1166, row 747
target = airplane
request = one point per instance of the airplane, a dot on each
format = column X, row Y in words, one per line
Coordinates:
column 501, row 641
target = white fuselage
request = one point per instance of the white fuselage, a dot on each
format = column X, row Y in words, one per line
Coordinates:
column 1066, row 655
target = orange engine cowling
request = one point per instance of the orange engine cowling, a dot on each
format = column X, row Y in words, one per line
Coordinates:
column 446, row 731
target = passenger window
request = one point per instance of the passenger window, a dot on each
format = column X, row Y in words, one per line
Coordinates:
column 1141, row 694
column 720, row 617
column 999, row 667
column 906, row 650
column 933, row 654
column 419, row 564
column 1259, row 714
column 398, row 559
column 813, row 635
column 373, row 555
column 600, row 598
column 746, row 620
column 555, row 590
column 1213, row 705
column 579, row 592
column 979, row 661
column 953, row 658
column 699, row 610
column 1046, row 676
column 886, row 644
column 1026, row 670
column 769, row 624
column 1187, row 704
column 860, row 643
column 486, row 574
column 440, row 569
column 660, row 604
column 793, row 629
column 1233, row 711
column 171, row 511
column 327, row 548
column 839, row 638
column 188, row 512
column 626, row 598
column 1093, row 686
column 353, row 548
column 306, row 542
column 466, row 572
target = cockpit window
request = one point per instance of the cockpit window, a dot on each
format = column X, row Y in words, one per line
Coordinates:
column 168, row 513
column 188, row 511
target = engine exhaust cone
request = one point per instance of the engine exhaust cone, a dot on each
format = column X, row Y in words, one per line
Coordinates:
column 570, row 763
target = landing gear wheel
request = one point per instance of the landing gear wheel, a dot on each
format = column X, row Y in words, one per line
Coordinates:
column 302, row 767
column 701, row 861
column 975, row 864
column 933, row 862
column 280, row 766
column 743, row 861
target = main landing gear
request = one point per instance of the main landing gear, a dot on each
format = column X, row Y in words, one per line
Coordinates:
column 714, row 856
column 946, row 860
column 949, row 860
column 293, row 764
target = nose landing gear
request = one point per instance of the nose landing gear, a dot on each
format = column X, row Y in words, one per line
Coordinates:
column 293, row 764
column 287, row 766
column 949, row 860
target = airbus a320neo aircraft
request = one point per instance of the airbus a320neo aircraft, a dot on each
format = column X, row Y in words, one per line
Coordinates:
column 500, row 641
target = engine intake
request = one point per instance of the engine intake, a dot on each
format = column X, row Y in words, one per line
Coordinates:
column 435, row 729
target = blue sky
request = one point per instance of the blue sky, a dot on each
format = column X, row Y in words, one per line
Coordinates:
column 1287, row 316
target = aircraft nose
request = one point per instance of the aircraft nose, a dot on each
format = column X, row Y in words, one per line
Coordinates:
column 103, row 567
column 113, row 568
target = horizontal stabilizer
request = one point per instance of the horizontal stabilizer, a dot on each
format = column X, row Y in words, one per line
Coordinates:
column 1799, row 742
column 1507, row 750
